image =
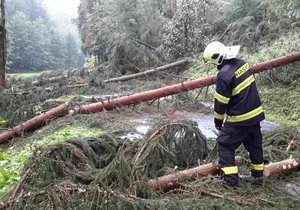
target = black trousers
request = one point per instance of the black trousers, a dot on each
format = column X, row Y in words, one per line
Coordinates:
column 230, row 138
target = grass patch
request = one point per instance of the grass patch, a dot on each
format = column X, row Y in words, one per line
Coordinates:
column 281, row 103
column 25, row 75
column 13, row 159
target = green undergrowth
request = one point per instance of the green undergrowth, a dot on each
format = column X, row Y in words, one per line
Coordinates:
column 281, row 103
column 13, row 159
column 106, row 172
column 285, row 45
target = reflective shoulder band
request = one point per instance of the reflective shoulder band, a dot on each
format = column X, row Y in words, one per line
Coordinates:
column 243, row 85
column 230, row 170
column 257, row 167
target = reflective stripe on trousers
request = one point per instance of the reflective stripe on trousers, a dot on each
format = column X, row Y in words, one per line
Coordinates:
column 230, row 170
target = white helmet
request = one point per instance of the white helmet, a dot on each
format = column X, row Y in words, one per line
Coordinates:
column 216, row 53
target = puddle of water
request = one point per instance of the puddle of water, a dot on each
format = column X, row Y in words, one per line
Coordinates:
column 207, row 126
column 132, row 136
column 142, row 128
column 205, row 123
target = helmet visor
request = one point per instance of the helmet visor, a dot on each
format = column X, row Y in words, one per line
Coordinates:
column 232, row 51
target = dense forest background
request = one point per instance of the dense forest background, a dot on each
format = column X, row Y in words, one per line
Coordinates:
column 129, row 35
column 35, row 40
column 124, row 36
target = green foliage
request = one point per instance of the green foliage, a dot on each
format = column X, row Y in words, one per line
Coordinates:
column 288, row 8
column 25, row 75
column 285, row 45
column 32, row 8
column 243, row 8
column 2, row 120
column 186, row 32
column 89, row 63
column 33, row 44
column 13, row 159
column 281, row 103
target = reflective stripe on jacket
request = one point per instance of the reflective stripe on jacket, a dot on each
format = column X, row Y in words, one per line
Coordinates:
column 236, row 95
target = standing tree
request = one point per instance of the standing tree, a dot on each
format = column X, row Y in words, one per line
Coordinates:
column 71, row 53
column 2, row 43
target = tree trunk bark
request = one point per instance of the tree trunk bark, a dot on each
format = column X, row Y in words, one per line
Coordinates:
column 144, row 73
column 174, row 89
column 2, row 43
column 281, row 61
column 282, row 166
column 146, row 96
column 34, row 122
column 171, row 180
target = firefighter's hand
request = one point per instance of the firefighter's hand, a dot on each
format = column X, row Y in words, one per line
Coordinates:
column 218, row 124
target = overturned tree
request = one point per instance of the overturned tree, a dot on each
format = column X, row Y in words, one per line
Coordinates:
column 148, row 72
column 146, row 96
column 174, row 89
column 172, row 180
column 34, row 122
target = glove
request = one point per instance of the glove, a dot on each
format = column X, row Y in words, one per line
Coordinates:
column 218, row 124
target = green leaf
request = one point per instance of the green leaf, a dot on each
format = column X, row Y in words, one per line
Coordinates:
column 1, row 156
column 5, row 174
column 2, row 121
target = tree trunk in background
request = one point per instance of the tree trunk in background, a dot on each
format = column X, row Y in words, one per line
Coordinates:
column 147, row 72
column 2, row 43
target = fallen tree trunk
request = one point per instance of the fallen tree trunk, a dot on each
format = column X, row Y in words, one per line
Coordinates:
column 171, row 180
column 281, row 61
column 144, row 96
column 174, row 89
column 140, row 97
column 64, row 75
column 279, row 167
column 51, row 79
column 34, row 122
column 144, row 73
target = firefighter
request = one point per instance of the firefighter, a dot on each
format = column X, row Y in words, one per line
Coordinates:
column 237, row 111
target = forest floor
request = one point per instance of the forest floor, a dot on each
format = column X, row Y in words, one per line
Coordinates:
column 128, row 127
